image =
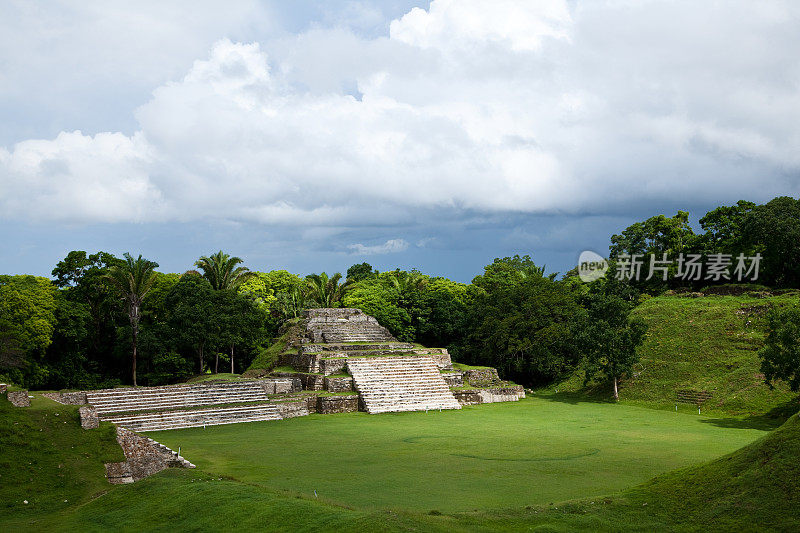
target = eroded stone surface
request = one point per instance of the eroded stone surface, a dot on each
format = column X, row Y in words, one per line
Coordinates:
column 337, row 404
column 89, row 417
column 19, row 398
column 143, row 457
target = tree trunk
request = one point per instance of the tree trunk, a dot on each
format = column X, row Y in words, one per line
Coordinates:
column 200, row 360
column 231, row 358
column 134, row 316
column 216, row 364
column 616, row 391
column 135, row 335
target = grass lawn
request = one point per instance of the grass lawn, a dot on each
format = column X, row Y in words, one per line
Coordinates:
column 532, row 452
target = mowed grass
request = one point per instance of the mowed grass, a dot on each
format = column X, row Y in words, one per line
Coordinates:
column 536, row 451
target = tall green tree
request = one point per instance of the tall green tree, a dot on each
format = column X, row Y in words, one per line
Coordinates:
column 27, row 323
column 609, row 337
column 521, row 322
column 360, row 271
column 242, row 322
column 773, row 230
column 192, row 316
column 378, row 297
column 132, row 280
column 723, row 228
column 780, row 356
column 222, row 271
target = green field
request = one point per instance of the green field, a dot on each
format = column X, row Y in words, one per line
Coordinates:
column 486, row 468
column 500, row 455
column 557, row 461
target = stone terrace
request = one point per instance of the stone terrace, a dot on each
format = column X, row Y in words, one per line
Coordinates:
column 182, row 406
column 157, row 398
column 343, row 325
column 197, row 417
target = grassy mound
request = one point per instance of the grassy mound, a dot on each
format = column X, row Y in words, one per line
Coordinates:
column 702, row 344
column 48, row 460
column 267, row 359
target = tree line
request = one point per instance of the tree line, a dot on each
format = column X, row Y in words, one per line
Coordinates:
column 102, row 321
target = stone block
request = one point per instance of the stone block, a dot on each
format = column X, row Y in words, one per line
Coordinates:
column 3, row 388
column 339, row 384
column 293, row 409
column 332, row 366
column 468, row 396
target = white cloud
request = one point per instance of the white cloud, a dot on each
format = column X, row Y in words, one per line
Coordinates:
column 389, row 247
column 467, row 23
column 469, row 107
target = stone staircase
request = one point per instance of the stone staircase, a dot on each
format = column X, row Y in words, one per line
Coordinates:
column 400, row 383
column 110, row 401
column 196, row 417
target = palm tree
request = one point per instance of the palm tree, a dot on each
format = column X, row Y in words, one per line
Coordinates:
column 132, row 280
column 326, row 291
column 221, row 271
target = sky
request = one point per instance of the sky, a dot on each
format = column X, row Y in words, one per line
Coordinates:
column 434, row 135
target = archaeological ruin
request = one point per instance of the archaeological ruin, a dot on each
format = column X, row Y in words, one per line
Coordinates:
column 334, row 361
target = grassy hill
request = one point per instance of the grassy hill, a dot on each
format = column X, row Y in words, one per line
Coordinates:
column 705, row 344
column 48, row 460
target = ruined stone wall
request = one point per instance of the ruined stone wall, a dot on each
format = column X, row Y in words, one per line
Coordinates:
column 502, row 394
column 339, row 384
column 19, row 398
column 453, row 379
column 293, row 409
column 332, row 366
column 468, row 396
column 337, row 404
column 482, row 377
column 89, row 417
column 67, row 398
column 440, row 356
column 143, row 457
column 336, row 325
column 511, row 393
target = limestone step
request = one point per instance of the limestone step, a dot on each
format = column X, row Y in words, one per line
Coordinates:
column 399, row 383
column 141, row 399
column 196, row 418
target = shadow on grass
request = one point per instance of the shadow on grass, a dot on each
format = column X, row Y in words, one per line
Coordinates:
column 572, row 398
column 772, row 419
